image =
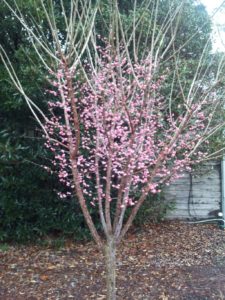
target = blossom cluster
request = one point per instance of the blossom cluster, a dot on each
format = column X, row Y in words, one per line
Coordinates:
column 129, row 140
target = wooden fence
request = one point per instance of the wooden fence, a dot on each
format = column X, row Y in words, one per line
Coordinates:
column 196, row 195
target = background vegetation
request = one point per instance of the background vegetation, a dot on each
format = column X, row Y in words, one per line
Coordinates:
column 29, row 206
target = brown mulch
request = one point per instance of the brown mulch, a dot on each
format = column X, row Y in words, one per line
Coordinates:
column 171, row 260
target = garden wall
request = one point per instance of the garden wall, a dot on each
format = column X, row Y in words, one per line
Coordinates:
column 197, row 194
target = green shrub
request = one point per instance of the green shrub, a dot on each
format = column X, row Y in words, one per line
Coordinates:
column 154, row 209
column 29, row 206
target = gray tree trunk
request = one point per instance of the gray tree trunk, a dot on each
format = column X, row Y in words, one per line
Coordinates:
column 110, row 256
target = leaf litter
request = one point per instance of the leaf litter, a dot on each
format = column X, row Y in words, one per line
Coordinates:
column 170, row 260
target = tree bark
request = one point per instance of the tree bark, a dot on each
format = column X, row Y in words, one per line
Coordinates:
column 110, row 256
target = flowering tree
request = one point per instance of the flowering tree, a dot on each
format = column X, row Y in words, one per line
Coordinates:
column 110, row 125
column 115, row 132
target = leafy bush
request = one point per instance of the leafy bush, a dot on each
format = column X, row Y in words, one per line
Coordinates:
column 29, row 206
column 154, row 209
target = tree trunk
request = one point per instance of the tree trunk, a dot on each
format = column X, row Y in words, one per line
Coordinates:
column 110, row 256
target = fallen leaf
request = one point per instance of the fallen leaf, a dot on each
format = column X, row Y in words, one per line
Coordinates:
column 44, row 277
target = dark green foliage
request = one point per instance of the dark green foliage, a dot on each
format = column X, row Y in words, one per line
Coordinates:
column 154, row 209
column 192, row 26
column 29, row 206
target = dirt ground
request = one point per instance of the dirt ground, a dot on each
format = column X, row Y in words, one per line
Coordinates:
column 171, row 260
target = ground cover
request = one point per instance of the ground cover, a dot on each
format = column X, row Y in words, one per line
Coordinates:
column 170, row 260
